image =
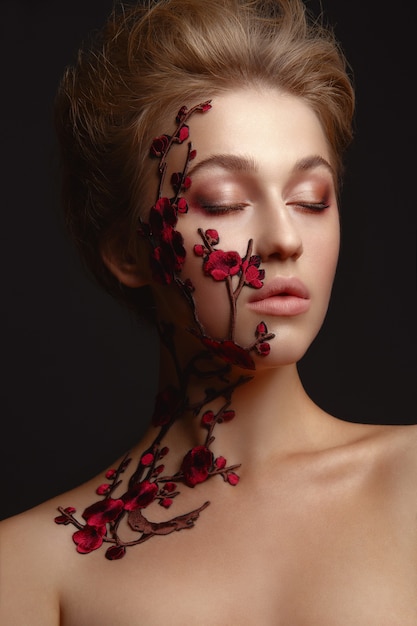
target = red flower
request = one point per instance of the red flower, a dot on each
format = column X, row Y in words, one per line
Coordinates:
column 220, row 462
column 161, row 216
column 166, row 502
column 170, row 487
column 230, row 352
column 100, row 513
column 261, row 329
column 147, row 459
column 199, row 250
column 196, row 465
column 168, row 257
column 219, row 265
column 227, row 416
column 159, row 146
column 102, row 490
column 232, row 478
column 65, row 519
column 182, row 206
column 166, row 404
column 89, row 538
column 115, row 552
column 253, row 275
column 181, row 114
column 207, row 418
column 263, row 348
column 140, row 496
column 212, row 236
column 183, row 133
column 178, row 181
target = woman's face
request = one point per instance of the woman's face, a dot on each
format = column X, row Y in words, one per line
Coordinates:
column 262, row 172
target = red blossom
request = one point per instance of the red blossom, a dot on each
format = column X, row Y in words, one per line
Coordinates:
column 100, row 513
column 183, row 133
column 199, row 250
column 182, row 205
column 196, row 465
column 212, row 236
column 102, row 490
column 219, row 265
column 179, row 181
column 162, row 215
column 166, row 502
column 227, row 416
column 253, row 275
column 207, row 418
column 261, row 329
column 111, row 473
column 230, row 352
column 232, row 478
column 170, row 487
column 140, row 496
column 159, row 146
column 65, row 519
column 220, row 462
column 263, row 348
column 181, row 114
column 89, row 538
column 115, row 552
column 147, row 459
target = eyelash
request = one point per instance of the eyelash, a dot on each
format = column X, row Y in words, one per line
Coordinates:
column 221, row 209
column 315, row 207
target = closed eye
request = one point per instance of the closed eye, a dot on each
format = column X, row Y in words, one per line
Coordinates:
column 315, row 207
column 221, row 209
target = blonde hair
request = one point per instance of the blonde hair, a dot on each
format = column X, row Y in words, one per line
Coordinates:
column 131, row 78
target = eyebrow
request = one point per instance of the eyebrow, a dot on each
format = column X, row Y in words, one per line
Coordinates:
column 237, row 163
column 229, row 162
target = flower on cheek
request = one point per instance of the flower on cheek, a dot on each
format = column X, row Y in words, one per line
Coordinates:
column 253, row 275
column 219, row 265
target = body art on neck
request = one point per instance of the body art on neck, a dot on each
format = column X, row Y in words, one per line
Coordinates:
column 215, row 363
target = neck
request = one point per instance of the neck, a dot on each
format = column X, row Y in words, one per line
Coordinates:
column 273, row 414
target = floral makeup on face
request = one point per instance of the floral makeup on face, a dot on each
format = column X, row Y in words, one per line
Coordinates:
column 236, row 270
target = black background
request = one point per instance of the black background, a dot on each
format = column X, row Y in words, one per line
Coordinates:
column 78, row 373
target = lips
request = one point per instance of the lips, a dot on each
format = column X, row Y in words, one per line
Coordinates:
column 281, row 296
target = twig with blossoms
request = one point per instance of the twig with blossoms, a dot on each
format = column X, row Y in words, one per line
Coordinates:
column 148, row 484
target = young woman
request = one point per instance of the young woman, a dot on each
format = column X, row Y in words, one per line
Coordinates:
column 202, row 151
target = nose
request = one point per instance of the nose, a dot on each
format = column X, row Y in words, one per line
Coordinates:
column 279, row 235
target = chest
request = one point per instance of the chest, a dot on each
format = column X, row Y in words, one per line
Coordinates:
column 294, row 558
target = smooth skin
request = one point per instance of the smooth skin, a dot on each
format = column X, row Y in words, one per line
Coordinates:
column 322, row 528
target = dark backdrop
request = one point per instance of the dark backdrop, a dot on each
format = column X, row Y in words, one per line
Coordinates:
column 78, row 374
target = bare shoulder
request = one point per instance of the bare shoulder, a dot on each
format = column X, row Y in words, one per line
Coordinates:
column 398, row 445
column 28, row 569
column 392, row 455
column 36, row 559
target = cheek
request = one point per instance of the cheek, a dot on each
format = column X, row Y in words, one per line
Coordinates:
column 210, row 296
column 324, row 258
